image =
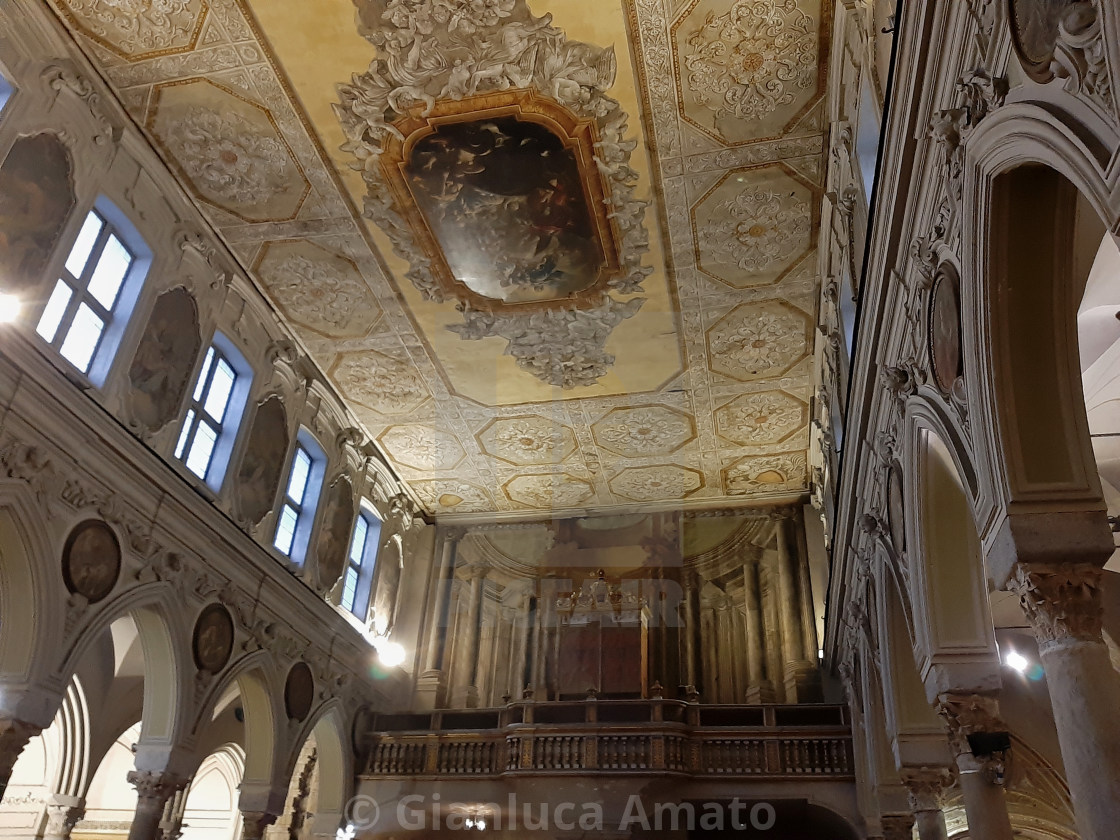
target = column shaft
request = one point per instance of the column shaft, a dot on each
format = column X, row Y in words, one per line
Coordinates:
column 437, row 629
column 967, row 714
column 691, row 628
column 465, row 666
column 759, row 689
column 153, row 791
column 1063, row 604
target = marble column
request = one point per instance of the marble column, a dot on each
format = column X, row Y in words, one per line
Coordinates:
column 710, row 653
column 980, row 777
column 153, row 790
column 522, row 630
column 897, row 826
column 14, row 735
column 254, row 823
column 63, row 813
column 797, row 671
column 430, row 684
column 926, row 786
column 1063, row 604
column 691, row 646
column 759, row 688
column 465, row 667
column 727, row 653
column 805, row 590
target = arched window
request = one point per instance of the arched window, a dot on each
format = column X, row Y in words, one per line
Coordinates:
column 301, row 495
column 361, row 562
column 214, row 414
column 93, row 298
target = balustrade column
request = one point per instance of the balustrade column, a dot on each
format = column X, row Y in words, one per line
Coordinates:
column 980, row 777
column 154, row 789
column 759, row 688
column 14, row 735
column 1063, row 604
column 63, row 813
column 466, row 653
column 926, row 787
column 692, row 675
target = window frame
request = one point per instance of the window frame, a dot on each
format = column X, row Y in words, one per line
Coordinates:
column 307, row 507
column 116, row 318
column 230, row 426
column 7, row 90
column 365, row 568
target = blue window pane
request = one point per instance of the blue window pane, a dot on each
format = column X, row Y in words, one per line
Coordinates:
column 87, row 236
column 198, row 461
column 286, row 529
column 297, row 482
column 350, row 589
column 81, row 340
column 200, row 386
column 55, row 309
column 221, row 385
column 112, row 266
column 186, row 433
column 358, row 543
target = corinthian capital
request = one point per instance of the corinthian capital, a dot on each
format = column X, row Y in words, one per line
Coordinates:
column 967, row 714
column 926, row 785
column 1062, row 602
column 155, row 785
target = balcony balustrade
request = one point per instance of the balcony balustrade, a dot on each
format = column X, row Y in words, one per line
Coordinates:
column 613, row 737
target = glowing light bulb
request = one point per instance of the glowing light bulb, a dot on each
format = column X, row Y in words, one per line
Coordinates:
column 1016, row 661
column 481, row 825
column 10, row 306
column 390, row 654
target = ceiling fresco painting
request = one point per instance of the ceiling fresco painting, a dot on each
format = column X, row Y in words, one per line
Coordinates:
column 555, row 256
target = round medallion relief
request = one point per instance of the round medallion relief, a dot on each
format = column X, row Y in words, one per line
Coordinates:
column 213, row 639
column 945, row 331
column 91, row 560
column 1034, row 33
column 896, row 509
column 299, row 691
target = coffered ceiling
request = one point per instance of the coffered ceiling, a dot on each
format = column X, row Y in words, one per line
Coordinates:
column 586, row 276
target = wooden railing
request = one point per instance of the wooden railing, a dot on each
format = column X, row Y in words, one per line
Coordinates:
column 615, row 737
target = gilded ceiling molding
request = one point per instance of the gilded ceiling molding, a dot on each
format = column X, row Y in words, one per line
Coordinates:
column 435, row 53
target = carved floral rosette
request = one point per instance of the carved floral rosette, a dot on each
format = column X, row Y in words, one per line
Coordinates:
column 437, row 50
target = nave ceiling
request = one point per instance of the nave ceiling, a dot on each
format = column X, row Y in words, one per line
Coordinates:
column 625, row 320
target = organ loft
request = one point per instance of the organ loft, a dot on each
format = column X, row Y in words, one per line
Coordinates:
column 560, row 419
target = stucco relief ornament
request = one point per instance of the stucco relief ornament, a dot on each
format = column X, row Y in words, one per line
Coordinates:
column 765, row 416
column 753, row 59
column 138, row 26
column 436, row 50
column 647, row 432
column 530, row 439
column 319, row 293
column 757, row 229
column 563, row 347
column 764, row 343
column 226, row 156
